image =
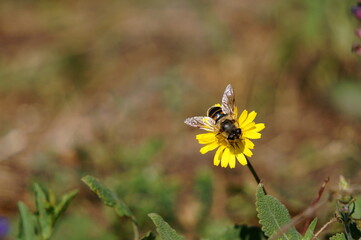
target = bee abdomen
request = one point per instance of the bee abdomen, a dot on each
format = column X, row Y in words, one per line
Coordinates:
column 216, row 113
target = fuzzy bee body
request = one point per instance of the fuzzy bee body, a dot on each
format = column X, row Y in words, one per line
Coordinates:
column 216, row 113
column 226, row 124
column 220, row 118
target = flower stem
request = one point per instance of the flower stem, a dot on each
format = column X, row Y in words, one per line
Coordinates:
column 254, row 173
column 334, row 219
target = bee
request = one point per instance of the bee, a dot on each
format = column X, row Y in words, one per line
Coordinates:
column 220, row 118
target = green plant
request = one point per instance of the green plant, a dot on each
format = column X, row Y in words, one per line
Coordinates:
column 41, row 223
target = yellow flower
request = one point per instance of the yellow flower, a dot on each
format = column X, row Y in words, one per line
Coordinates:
column 231, row 150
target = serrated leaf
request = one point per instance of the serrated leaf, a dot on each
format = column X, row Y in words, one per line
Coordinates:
column 273, row 215
column 310, row 230
column 44, row 217
column 338, row 236
column 26, row 225
column 104, row 193
column 164, row 230
column 64, row 203
column 149, row 236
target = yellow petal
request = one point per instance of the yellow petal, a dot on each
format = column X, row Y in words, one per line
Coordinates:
column 238, row 148
column 242, row 159
column 247, row 152
column 218, row 156
column 251, row 116
column 232, row 161
column 242, row 117
column 260, row 126
column 206, row 138
column 249, row 126
column 252, row 135
column 209, row 147
column 248, row 144
column 225, row 157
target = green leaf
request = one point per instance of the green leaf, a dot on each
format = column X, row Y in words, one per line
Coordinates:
column 357, row 213
column 108, row 197
column 273, row 215
column 149, row 236
column 310, row 230
column 122, row 209
column 26, row 226
column 104, row 193
column 338, row 236
column 44, row 216
column 163, row 228
column 64, row 203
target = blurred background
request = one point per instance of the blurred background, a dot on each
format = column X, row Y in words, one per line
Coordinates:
column 103, row 88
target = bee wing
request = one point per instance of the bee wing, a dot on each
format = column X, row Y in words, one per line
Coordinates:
column 205, row 123
column 228, row 100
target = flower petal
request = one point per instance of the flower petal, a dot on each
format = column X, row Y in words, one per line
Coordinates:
column 209, row 147
column 247, row 152
column 249, row 126
column 232, row 160
column 251, row 116
column 218, row 156
column 252, row 135
column 242, row 117
column 242, row 159
column 248, row 144
column 225, row 157
column 206, row 138
column 238, row 148
column 260, row 126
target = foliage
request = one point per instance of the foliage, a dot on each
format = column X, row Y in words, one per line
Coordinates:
column 40, row 225
column 273, row 216
column 311, row 228
column 164, row 230
column 338, row 236
column 107, row 196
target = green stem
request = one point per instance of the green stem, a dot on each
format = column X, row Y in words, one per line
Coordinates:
column 254, row 173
